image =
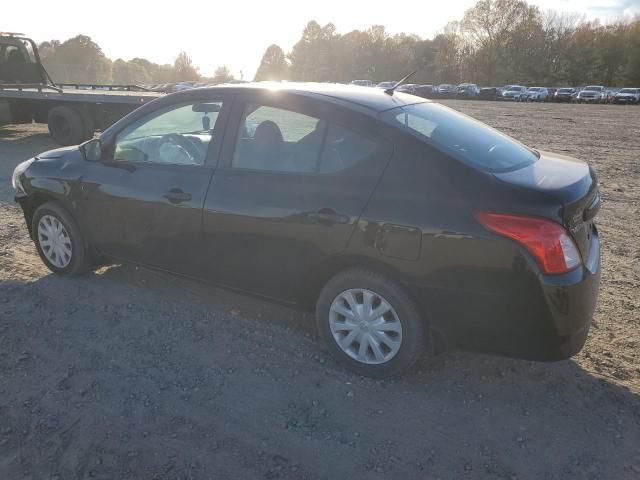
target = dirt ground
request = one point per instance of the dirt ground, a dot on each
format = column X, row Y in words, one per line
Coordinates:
column 133, row 374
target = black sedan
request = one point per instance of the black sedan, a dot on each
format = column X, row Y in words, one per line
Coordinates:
column 565, row 95
column 402, row 222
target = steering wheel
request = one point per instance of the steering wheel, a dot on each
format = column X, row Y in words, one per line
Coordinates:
column 187, row 146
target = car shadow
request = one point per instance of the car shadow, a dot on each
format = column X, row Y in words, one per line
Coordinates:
column 271, row 392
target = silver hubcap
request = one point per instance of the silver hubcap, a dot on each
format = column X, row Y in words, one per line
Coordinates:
column 365, row 326
column 54, row 241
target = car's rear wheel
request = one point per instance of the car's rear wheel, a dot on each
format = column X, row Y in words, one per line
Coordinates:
column 59, row 241
column 370, row 324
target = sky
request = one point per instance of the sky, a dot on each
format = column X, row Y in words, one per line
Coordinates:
column 236, row 33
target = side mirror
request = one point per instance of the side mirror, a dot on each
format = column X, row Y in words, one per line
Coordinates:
column 92, row 150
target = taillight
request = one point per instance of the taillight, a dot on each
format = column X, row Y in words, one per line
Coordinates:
column 549, row 243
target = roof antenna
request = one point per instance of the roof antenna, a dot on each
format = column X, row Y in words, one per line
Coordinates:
column 389, row 91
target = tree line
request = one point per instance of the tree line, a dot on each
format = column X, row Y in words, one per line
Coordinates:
column 495, row 43
column 81, row 60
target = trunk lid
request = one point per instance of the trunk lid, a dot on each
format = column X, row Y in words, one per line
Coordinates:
column 572, row 182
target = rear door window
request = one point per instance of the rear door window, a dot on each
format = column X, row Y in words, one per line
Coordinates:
column 280, row 140
column 461, row 136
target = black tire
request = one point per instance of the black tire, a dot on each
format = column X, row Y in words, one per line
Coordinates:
column 66, row 126
column 79, row 261
column 89, row 126
column 414, row 331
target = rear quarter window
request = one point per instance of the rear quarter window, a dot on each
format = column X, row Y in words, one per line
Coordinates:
column 461, row 137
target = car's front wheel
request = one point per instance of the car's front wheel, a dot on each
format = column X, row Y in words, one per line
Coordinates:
column 59, row 241
column 370, row 324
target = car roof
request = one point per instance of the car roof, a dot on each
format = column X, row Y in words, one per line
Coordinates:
column 372, row 99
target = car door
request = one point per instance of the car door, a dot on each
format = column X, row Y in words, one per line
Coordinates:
column 143, row 201
column 294, row 177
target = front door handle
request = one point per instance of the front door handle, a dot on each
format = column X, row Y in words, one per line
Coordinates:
column 175, row 195
column 327, row 216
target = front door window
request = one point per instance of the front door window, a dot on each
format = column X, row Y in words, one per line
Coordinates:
column 176, row 135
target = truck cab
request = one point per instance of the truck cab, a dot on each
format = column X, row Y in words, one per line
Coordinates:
column 19, row 61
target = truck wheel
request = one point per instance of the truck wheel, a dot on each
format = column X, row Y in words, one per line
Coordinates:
column 89, row 125
column 66, row 126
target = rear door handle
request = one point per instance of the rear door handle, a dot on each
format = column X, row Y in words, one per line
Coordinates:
column 327, row 216
column 175, row 195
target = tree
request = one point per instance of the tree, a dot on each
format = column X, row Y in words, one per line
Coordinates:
column 77, row 60
column 313, row 57
column 130, row 73
column 631, row 67
column 273, row 66
column 184, row 69
column 487, row 27
column 222, row 75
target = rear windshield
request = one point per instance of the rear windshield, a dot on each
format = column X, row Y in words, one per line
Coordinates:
column 628, row 90
column 461, row 136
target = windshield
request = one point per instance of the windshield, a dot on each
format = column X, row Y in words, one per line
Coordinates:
column 628, row 90
column 565, row 90
column 593, row 89
column 514, row 89
column 461, row 136
column 535, row 89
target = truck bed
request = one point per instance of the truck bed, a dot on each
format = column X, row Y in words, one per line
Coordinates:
column 80, row 95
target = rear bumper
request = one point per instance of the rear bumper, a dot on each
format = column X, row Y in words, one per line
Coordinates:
column 571, row 300
column 539, row 317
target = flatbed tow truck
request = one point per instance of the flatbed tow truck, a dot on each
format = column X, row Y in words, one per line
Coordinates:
column 73, row 112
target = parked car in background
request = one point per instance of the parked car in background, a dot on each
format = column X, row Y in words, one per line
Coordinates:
column 363, row 83
column 505, row 87
column 385, row 85
column 183, row 86
column 446, row 90
column 565, row 94
column 408, row 88
column 627, row 96
column 592, row 94
column 488, row 93
column 610, row 94
column 535, row 94
column 164, row 87
column 467, row 90
column 551, row 92
column 426, row 91
column 513, row 93
column 336, row 199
